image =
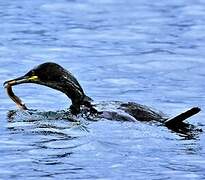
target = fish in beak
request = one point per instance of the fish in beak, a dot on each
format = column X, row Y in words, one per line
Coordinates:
column 8, row 86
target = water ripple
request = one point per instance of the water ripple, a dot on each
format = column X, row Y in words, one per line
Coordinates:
column 149, row 52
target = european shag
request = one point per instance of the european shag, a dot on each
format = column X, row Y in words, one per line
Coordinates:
column 55, row 76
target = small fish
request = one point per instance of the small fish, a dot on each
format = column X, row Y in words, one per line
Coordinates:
column 15, row 98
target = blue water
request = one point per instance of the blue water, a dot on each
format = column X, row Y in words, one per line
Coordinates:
column 150, row 52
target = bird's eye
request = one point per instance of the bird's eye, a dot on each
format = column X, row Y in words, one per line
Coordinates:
column 32, row 73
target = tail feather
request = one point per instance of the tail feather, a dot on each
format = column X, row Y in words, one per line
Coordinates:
column 183, row 116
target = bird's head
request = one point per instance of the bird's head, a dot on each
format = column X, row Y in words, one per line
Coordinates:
column 54, row 76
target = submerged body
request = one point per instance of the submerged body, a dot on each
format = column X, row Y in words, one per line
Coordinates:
column 56, row 77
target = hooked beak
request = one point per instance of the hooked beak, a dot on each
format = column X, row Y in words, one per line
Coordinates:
column 20, row 80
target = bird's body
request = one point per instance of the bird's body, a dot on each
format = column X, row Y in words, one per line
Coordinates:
column 56, row 77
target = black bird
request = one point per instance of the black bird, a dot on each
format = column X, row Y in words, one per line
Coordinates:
column 55, row 76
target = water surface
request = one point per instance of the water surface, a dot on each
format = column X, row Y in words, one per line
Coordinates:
column 147, row 52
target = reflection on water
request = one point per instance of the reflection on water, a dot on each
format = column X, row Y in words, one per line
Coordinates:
column 147, row 52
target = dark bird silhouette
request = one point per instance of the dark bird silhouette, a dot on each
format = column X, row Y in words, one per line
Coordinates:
column 55, row 76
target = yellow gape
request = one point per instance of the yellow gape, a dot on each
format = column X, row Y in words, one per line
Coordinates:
column 33, row 78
